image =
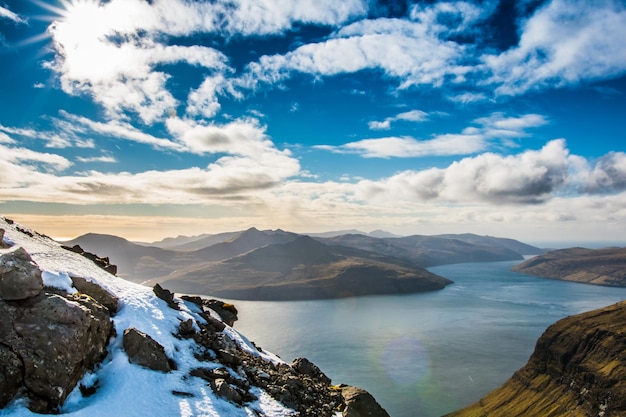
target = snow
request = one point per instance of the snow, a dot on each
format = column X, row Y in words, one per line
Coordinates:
column 127, row 389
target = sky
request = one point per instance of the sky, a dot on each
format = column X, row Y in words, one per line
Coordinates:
column 148, row 119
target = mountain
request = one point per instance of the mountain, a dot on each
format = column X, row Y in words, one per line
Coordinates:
column 303, row 269
column 169, row 242
column 185, row 243
column 139, row 263
column 80, row 342
column 429, row 251
column 590, row 266
column 578, row 368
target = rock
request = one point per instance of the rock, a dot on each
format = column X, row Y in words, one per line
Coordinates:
column 101, row 262
column 20, row 277
column 166, row 296
column 304, row 366
column 3, row 244
column 11, row 375
column 360, row 403
column 578, row 368
column 57, row 338
column 98, row 293
column 226, row 311
column 226, row 391
column 145, row 351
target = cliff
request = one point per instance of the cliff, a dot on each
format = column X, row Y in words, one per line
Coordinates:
column 76, row 340
column 590, row 266
column 578, row 369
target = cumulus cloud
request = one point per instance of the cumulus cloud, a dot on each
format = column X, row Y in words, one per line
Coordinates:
column 494, row 128
column 563, row 43
column 529, row 177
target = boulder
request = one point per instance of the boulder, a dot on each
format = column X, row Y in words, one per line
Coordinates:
column 306, row 367
column 3, row 244
column 98, row 293
column 56, row 337
column 226, row 311
column 11, row 375
column 20, row 277
column 145, row 351
column 226, row 391
column 165, row 295
column 360, row 403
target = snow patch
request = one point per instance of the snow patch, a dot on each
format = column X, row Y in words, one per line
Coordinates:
column 60, row 280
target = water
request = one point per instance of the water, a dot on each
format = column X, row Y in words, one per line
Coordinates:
column 424, row 355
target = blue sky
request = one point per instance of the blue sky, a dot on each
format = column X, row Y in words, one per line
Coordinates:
column 152, row 119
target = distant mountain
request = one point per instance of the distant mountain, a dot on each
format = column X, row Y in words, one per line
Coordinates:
column 275, row 264
column 514, row 245
column 303, row 269
column 200, row 242
column 590, row 266
column 139, row 263
column 429, row 251
column 171, row 242
column 334, row 233
column 134, row 262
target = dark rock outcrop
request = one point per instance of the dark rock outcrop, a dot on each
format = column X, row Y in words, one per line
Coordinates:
column 578, row 368
column 301, row 386
column 20, row 277
column 48, row 338
column 360, row 403
column 104, row 297
column 3, row 244
column 145, row 351
column 165, row 295
column 57, row 337
column 590, row 266
column 102, row 262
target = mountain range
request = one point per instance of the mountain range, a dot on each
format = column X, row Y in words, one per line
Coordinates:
column 279, row 265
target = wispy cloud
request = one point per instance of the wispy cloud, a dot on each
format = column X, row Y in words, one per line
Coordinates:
column 487, row 130
column 410, row 116
column 8, row 14
column 103, row 158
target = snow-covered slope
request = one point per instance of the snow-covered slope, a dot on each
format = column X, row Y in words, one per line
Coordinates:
column 125, row 389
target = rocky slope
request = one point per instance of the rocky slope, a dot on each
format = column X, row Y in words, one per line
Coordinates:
column 590, row 266
column 77, row 340
column 578, row 369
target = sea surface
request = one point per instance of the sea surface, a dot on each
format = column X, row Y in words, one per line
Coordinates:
column 424, row 355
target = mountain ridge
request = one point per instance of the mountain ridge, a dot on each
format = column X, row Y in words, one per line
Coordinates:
column 605, row 266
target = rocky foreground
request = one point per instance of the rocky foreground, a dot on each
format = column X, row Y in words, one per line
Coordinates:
column 590, row 266
column 76, row 340
column 578, row 369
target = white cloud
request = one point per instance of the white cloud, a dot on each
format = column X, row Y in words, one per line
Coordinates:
column 116, row 129
column 261, row 17
column 413, row 52
column 529, row 177
column 407, row 147
column 103, row 158
column 494, row 128
column 410, row 116
column 563, row 43
column 8, row 14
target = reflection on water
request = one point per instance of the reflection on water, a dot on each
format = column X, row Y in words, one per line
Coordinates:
column 425, row 354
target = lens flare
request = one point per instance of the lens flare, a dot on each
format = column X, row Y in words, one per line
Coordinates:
column 405, row 360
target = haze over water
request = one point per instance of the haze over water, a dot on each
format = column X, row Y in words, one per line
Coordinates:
column 424, row 355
